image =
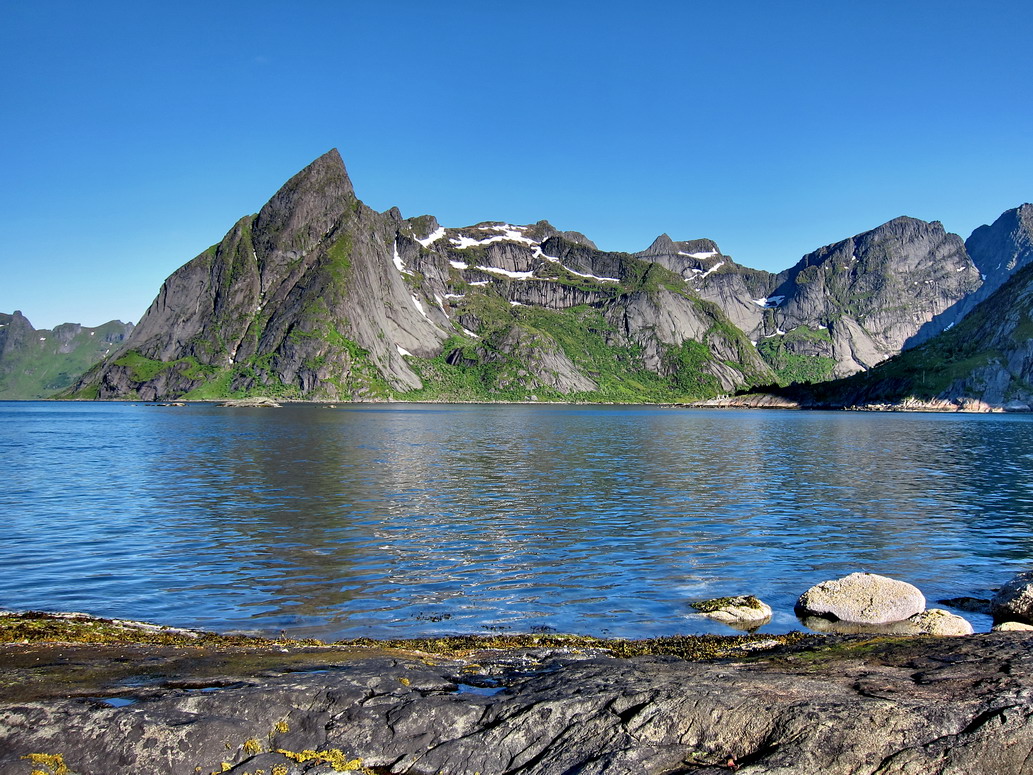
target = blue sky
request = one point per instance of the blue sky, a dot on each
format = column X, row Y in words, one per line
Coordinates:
column 135, row 134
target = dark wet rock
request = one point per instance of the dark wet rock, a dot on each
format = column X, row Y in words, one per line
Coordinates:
column 1014, row 601
column 862, row 598
column 976, row 605
column 893, row 706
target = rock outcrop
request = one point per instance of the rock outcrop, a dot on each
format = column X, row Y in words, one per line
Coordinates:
column 902, row 706
column 743, row 612
column 1014, row 601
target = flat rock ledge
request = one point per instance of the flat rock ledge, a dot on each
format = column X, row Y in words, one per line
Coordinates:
column 828, row 704
column 257, row 402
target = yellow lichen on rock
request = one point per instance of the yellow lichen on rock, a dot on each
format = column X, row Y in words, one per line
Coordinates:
column 335, row 757
column 54, row 762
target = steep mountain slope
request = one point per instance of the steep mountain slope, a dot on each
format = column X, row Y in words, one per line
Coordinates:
column 861, row 300
column 318, row 296
column 36, row 364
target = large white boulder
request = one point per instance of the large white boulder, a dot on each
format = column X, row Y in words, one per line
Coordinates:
column 865, row 598
column 1014, row 601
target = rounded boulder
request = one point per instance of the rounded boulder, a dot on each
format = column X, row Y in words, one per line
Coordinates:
column 865, row 598
column 936, row 621
column 1014, row 601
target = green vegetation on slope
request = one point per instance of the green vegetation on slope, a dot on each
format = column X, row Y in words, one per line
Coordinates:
column 789, row 365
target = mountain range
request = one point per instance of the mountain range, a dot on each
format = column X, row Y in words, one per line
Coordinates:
column 318, row 296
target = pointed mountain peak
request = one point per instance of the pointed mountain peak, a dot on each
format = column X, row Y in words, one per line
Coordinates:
column 310, row 202
column 696, row 248
column 662, row 246
column 326, row 173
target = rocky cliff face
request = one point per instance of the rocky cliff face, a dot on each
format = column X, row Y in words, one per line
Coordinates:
column 1003, row 248
column 864, row 299
column 318, row 296
column 38, row 363
column 842, row 308
column 985, row 360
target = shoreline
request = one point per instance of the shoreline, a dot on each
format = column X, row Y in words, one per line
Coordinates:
column 143, row 698
column 752, row 401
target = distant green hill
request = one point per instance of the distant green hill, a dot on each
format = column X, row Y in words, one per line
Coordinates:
column 37, row 364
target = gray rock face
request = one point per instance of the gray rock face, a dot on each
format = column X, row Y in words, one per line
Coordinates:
column 957, row 706
column 1014, row 601
column 1003, row 248
column 875, row 291
column 862, row 598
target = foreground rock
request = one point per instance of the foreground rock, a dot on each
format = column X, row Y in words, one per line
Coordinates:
column 862, row 598
column 817, row 705
column 1014, row 601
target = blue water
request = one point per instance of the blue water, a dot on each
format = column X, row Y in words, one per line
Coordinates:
column 401, row 520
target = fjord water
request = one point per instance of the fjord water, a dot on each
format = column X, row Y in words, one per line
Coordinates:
column 400, row 520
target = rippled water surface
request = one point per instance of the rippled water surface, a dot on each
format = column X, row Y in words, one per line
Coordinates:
column 399, row 520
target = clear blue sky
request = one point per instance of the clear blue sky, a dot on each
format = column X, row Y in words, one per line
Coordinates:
column 134, row 134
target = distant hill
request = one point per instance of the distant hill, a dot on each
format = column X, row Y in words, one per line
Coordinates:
column 39, row 363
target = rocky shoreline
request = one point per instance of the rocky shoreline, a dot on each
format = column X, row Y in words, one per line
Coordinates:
column 89, row 696
column 774, row 401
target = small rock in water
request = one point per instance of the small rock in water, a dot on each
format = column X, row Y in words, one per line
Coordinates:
column 1014, row 601
column 1012, row 627
column 741, row 611
column 863, row 598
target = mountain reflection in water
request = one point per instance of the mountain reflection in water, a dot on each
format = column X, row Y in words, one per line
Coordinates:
column 401, row 520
